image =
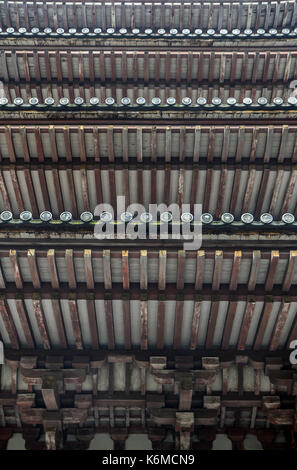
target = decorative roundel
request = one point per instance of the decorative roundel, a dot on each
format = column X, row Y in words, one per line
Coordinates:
column 135, row 31
column 236, row 31
column 247, row 218
column 97, row 30
column 166, row 217
column 278, row 100
column 79, row 100
column 156, row 101
column 148, row 31
column 10, row 30
column 216, row 101
column 206, row 218
column 66, row 216
column 25, row 216
column 94, row 100
column 125, row 101
column 288, row 218
column 3, row 101
column 18, row 101
column 186, row 101
column 247, row 101
column 6, row 216
column 47, row 30
column 72, row 31
column 110, row 30
column 227, row 218
column 33, row 101
column 223, row 32
column 86, row 216
column 187, row 217
column 106, row 216
column 22, row 30
column 64, row 101
column 248, row 32
column 262, row 100
column 292, row 100
column 171, row 100
column 46, row 216
column 295, row 30
column 126, row 216
column 261, row 31
column 231, row 101
column 146, row 217
column 201, row 101
column 173, row 31
column 161, row 31
column 123, row 31
column 211, row 32
column 109, row 101
column 186, row 31
column 273, row 31
column 49, row 100
column 35, row 30
column 140, row 100
column 60, row 31
column 85, row 30
column 266, row 218
column 286, row 31
column 198, row 31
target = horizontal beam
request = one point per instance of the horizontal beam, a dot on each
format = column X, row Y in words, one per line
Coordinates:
column 135, row 292
column 144, row 356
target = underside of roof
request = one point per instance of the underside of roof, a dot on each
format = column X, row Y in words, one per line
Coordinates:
column 180, row 104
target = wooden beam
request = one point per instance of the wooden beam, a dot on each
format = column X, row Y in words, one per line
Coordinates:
column 200, row 261
column 179, row 312
column 272, row 270
column 229, row 324
column 109, row 323
column 161, row 322
column 23, row 317
column 41, row 322
column 262, row 325
column 16, row 269
column 235, row 270
column 59, row 322
column 89, row 269
column 254, row 270
column 125, row 269
column 70, row 268
column 9, row 324
column 217, row 270
column 195, row 324
column 53, row 269
column 279, row 325
column 162, row 270
column 245, row 325
column 212, row 321
column 72, row 304
column 143, row 270
column 127, row 322
column 290, row 271
column 143, row 323
column 107, row 269
column 93, row 323
column 33, row 268
column 181, row 269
